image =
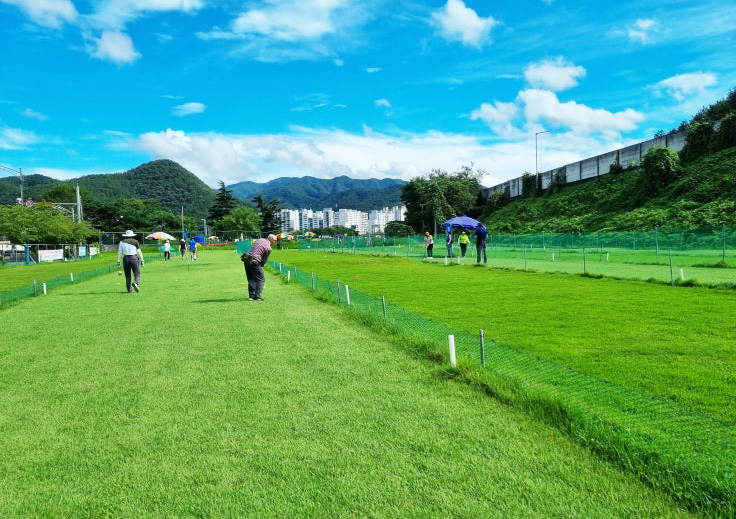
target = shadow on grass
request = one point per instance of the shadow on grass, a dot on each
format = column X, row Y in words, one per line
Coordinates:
column 223, row 300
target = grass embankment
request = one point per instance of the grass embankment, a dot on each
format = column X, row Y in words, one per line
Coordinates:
column 672, row 343
column 186, row 400
column 703, row 195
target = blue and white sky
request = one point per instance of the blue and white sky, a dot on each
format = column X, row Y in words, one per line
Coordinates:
column 255, row 90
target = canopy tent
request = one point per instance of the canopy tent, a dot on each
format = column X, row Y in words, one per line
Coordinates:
column 462, row 222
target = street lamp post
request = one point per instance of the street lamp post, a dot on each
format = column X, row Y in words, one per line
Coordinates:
column 536, row 154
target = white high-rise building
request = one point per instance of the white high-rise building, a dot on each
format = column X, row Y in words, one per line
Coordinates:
column 289, row 220
column 352, row 219
column 378, row 218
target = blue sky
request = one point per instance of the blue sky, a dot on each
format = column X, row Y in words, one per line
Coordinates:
column 254, row 90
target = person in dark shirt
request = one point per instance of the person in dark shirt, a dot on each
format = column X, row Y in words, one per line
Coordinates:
column 481, row 233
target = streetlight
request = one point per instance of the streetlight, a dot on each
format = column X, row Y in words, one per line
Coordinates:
column 18, row 172
column 536, row 154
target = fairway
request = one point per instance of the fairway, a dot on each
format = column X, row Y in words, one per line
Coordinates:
column 675, row 343
column 186, row 400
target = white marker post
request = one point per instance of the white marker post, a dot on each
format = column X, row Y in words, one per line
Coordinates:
column 44, row 289
column 347, row 294
column 288, row 276
column 453, row 359
column 71, row 275
column 682, row 274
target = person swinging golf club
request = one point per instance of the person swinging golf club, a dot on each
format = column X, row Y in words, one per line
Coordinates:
column 254, row 260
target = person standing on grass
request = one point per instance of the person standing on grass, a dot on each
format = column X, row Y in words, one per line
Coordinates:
column 167, row 250
column 463, row 240
column 448, row 242
column 428, row 243
column 129, row 250
column 193, row 248
column 183, row 248
column 481, row 233
column 254, row 260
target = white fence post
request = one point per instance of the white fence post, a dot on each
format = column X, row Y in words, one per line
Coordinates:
column 453, row 359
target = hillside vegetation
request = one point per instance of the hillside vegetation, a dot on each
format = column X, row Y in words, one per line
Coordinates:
column 316, row 193
column 695, row 188
column 703, row 195
column 162, row 180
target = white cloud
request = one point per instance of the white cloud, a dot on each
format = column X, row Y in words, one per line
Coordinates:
column 544, row 106
column 457, row 22
column 34, row 115
column 323, row 153
column 114, row 46
column 373, row 70
column 385, row 104
column 556, row 75
column 535, row 109
column 16, row 138
column 188, row 109
column 116, row 14
column 290, row 30
column 290, row 21
column 686, row 85
column 49, row 13
column 641, row 30
column 499, row 116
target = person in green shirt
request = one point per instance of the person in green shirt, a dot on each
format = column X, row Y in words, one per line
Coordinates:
column 463, row 243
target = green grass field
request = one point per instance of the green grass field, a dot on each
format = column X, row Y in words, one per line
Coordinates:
column 675, row 343
column 701, row 267
column 186, row 400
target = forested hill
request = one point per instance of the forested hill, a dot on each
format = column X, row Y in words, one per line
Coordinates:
column 163, row 180
column 316, row 193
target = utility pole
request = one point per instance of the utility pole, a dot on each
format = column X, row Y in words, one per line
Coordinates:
column 18, row 172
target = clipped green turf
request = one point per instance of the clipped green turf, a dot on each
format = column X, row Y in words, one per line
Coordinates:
column 186, row 400
column 675, row 343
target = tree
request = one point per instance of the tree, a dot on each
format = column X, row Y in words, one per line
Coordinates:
column 398, row 229
column 661, row 166
column 37, row 224
column 223, row 204
column 269, row 213
column 433, row 199
column 241, row 218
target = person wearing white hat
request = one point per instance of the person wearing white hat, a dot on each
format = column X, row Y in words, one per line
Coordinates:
column 129, row 250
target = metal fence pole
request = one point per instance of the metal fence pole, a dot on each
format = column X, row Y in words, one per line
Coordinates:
column 672, row 275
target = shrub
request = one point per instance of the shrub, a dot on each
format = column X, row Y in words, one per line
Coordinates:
column 661, row 166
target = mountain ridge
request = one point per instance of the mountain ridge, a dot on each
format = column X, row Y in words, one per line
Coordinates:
column 176, row 187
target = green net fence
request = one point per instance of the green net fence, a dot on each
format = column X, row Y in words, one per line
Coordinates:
column 704, row 256
column 690, row 455
column 38, row 288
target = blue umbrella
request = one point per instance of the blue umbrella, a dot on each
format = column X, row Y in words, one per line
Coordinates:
column 463, row 222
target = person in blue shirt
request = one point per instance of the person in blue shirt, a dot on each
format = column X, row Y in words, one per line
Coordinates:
column 193, row 248
column 448, row 241
column 481, row 233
